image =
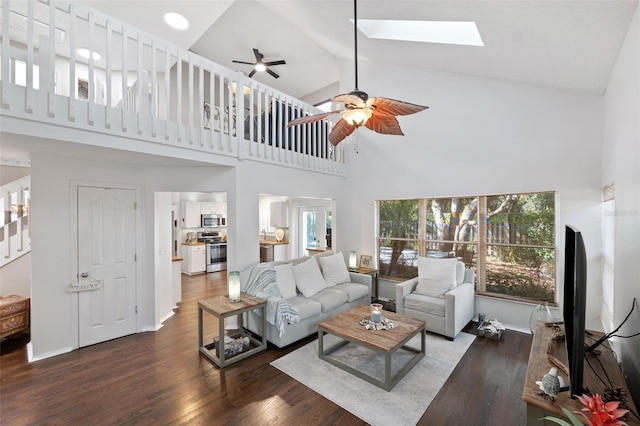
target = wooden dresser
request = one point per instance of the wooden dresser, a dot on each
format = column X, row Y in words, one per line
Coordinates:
column 14, row 315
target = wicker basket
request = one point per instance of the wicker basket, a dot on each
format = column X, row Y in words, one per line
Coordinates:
column 485, row 331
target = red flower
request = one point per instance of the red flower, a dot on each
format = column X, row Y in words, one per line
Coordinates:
column 601, row 413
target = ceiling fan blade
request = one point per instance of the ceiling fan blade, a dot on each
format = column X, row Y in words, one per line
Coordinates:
column 242, row 62
column 272, row 63
column 384, row 123
column 273, row 74
column 253, row 71
column 394, row 107
column 257, row 54
column 340, row 130
column 350, row 100
column 311, row 118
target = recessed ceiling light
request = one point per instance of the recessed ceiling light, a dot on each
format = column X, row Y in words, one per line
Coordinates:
column 175, row 20
column 446, row 32
column 84, row 52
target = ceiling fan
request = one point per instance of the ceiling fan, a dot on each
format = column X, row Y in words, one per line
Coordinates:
column 377, row 114
column 260, row 66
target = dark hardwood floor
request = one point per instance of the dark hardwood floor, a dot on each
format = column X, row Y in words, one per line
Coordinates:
column 160, row 378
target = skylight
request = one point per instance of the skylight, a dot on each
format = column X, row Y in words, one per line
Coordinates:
column 445, row 32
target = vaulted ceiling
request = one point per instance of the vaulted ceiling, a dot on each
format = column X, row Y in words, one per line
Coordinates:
column 562, row 44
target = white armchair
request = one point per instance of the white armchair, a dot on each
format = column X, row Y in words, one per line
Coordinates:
column 445, row 307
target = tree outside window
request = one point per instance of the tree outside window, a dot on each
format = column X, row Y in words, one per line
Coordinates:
column 515, row 258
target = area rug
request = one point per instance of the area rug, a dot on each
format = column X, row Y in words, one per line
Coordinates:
column 404, row 404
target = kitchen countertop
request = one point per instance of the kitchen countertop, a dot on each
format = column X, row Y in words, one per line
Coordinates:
column 272, row 242
column 176, row 259
column 197, row 243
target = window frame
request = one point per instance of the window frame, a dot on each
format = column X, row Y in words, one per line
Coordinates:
column 481, row 243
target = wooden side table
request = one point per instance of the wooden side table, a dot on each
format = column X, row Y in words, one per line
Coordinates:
column 374, row 275
column 221, row 307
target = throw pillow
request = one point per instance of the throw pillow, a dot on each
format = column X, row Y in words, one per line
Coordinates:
column 334, row 270
column 459, row 272
column 285, row 280
column 436, row 276
column 309, row 279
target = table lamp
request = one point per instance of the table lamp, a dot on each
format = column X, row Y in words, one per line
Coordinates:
column 233, row 283
column 353, row 260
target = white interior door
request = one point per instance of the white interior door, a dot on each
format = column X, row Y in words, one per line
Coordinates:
column 106, row 252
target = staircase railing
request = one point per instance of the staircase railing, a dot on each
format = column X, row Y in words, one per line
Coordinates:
column 145, row 89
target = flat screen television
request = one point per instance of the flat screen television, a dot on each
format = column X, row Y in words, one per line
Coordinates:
column 575, row 300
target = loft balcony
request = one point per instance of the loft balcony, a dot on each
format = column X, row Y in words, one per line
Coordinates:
column 144, row 90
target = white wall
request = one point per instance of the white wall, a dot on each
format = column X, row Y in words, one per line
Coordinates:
column 15, row 277
column 163, row 257
column 621, row 164
column 479, row 136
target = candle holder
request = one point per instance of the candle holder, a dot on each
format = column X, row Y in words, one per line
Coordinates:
column 376, row 312
column 233, row 284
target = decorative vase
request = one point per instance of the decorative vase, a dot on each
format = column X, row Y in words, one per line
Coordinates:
column 541, row 313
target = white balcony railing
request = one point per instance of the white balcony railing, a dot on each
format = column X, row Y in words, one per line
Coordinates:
column 146, row 89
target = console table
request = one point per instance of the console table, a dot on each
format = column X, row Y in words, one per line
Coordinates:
column 539, row 365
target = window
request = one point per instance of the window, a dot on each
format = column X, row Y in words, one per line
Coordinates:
column 20, row 74
column 508, row 239
column 608, row 240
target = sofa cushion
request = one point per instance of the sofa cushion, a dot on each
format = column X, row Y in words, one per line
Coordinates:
column 436, row 276
column 307, row 308
column 334, row 270
column 426, row 304
column 309, row 279
column 285, row 280
column 354, row 291
column 330, row 298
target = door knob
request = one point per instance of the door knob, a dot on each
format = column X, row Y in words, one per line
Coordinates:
column 84, row 274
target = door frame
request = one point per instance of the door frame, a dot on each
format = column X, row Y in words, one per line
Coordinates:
column 74, row 268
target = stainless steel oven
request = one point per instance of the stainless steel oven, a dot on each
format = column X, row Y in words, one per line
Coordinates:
column 216, row 257
column 216, row 251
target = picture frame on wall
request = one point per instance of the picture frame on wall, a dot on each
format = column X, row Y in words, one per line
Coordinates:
column 206, row 116
column 83, row 89
column 366, row 261
column 216, row 118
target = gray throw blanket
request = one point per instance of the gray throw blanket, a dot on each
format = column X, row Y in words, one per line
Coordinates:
column 260, row 281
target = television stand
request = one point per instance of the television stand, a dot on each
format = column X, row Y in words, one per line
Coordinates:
column 539, row 365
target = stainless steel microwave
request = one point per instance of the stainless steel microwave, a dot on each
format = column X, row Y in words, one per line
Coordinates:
column 212, row 220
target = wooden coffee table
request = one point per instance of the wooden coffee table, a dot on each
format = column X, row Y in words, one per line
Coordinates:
column 347, row 327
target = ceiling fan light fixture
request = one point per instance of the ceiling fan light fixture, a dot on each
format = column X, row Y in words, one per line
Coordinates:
column 357, row 116
column 260, row 67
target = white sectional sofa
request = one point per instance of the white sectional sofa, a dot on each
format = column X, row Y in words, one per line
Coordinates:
column 313, row 300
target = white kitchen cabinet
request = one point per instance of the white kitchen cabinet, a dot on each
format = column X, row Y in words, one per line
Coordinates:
column 281, row 252
column 278, row 214
column 189, row 214
column 213, row 207
column 195, row 259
